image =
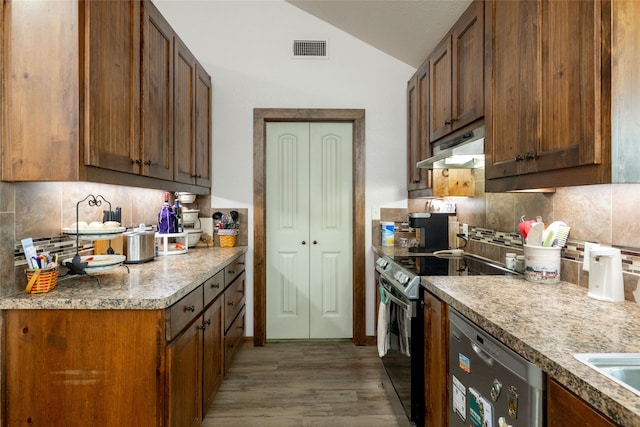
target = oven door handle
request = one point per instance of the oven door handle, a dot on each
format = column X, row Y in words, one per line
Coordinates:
column 399, row 302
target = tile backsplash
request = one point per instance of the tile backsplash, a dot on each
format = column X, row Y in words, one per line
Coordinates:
column 41, row 209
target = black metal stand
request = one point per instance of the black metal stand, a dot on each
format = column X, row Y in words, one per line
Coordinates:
column 76, row 266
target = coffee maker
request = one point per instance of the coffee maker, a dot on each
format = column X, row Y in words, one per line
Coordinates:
column 433, row 231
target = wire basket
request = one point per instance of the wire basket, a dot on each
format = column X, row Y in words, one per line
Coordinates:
column 227, row 237
column 41, row 280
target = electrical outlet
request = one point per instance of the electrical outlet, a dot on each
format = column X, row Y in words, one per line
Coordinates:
column 465, row 230
column 375, row 214
column 588, row 247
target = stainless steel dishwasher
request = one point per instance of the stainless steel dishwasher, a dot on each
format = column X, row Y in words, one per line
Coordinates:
column 489, row 384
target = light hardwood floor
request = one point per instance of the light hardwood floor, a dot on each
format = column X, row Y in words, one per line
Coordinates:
column 306, row 383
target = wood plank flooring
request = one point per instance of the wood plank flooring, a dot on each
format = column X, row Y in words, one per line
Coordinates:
column 306, row 383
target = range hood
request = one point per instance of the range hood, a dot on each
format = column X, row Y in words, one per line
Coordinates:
column 464, row 151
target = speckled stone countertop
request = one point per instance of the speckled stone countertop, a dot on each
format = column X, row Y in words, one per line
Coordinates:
column 153, row 285
column 547, row 325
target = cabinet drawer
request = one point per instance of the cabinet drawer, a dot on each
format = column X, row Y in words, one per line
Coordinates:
column 233, row 270
column 213, row 287
column 233, row 339
column 183, row 312
column 233, row 300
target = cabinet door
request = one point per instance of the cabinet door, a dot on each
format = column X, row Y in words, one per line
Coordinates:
column 467, row 96
column 514, row 123
column 202, row 152
column 184, row 112
column 212, row 353
column 571, row 43
column 184, row 378
column 440, row 90
column 418, row 147
column 566, row 409
column 112, row 85
column 436, row 337
column 156, row 154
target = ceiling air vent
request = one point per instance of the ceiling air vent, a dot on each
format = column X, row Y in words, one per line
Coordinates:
column 310, row 49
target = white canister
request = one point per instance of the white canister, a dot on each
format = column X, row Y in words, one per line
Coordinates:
column 388, row 231
column 542, row 264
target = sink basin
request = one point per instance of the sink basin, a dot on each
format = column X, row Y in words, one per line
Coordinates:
column 623, row 368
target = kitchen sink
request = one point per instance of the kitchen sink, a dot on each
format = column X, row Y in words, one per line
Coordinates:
column 623, row 368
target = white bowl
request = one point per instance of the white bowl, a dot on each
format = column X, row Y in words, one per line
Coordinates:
column 186, row 197
column 193, row 237
column 189, row 216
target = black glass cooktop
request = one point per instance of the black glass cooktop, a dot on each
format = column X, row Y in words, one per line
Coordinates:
column 466, row 265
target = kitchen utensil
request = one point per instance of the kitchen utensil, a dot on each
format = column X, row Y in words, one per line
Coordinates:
column 525, row 226
column 534, row 237
column 549, row 236
column 563, row 235
column 605, row 275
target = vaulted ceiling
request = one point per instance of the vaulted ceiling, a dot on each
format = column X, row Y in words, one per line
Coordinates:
column 406, row 30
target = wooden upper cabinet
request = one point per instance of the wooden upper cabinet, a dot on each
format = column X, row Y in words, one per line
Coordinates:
column 156, row 147
column 544, row 93
column 457, row 75
column 418, row 147
column 561, row 92
column 184, row 112
column 202, row 152
column 88, row 96
column 112, row 84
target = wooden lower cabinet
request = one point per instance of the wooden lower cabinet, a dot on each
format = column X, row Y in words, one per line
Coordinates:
column 436, row 338
column 233, row 339
column 64, row 367
column 213, row 353
column 184, row 378
column 121, row 367
column 566, row 409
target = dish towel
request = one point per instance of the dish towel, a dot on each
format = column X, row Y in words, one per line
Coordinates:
column 383, row 329
column 404, row 323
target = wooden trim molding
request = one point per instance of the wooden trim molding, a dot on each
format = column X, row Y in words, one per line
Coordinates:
column 260, row 118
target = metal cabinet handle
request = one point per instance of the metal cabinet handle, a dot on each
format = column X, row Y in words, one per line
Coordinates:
column 528, row 156
column 315, row 242
column 519, row 158
column 215, row 285
column 137, row 162
column 232, row 272
column 190, row 308
column 304, row 242
column 230, row 303
column 147, row 163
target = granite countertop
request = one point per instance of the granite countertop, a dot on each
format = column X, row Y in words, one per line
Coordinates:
column 150, row 286
column 547, row 325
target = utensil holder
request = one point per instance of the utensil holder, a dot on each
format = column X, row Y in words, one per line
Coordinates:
column 542, row 264
column 227, row 237
column 40, row 280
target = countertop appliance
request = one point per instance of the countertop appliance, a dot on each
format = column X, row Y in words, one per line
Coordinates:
column 433, row 230
column 139, row 246
column 399, row 279
column 490, row 384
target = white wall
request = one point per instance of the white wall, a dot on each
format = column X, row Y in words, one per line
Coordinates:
column 246, row 47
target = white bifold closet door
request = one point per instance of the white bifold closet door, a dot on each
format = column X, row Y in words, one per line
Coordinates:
column 309, row 230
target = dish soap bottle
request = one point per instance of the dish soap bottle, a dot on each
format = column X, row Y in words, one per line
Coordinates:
column 166, row 217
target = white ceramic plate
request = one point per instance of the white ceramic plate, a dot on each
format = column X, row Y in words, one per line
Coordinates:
column 100, row 263
column 91, row 234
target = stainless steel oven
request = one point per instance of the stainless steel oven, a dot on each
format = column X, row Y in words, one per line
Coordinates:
column 401, row 321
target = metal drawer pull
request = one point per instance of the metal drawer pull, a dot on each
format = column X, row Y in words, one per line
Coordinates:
column 190, row 308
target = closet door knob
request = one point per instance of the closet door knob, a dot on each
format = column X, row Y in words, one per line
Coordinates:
column 315, row 242
column 304, row 243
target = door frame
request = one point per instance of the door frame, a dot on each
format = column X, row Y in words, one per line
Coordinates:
column 260, row 117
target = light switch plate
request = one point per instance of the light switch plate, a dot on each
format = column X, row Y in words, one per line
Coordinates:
column 588, row 247
column 465, row 230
